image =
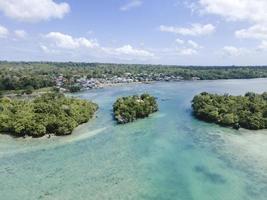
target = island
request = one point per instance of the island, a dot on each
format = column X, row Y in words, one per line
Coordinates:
column 248, row 111
column 131, row 108
column 50, row 113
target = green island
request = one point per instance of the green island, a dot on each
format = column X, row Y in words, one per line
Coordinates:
column 131, row 108
column 50, row 113
column 248, row 111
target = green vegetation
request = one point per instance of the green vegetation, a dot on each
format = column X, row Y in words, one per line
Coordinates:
column 35, row 75
column 51, row 113
column 249, row 111
column 74, row 88
column 128, row 109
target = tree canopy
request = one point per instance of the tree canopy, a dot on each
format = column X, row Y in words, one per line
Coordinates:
column 131, row 108
column 249, row 111
column 22, row 75
column 51, row 113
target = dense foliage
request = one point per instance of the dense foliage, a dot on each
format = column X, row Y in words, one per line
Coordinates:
column 25, row 75
column 128, row 109
column 51, row 113
column 249, row 111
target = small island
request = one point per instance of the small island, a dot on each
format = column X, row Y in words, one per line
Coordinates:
column 131, row 108
column 50, row 113
column 248, row 111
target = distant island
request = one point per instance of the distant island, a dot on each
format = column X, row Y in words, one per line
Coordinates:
column 21, row 78
column 51, row 113
column 131, row 108
column 249, row 111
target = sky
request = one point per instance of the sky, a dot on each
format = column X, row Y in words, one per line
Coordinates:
column 176, row 32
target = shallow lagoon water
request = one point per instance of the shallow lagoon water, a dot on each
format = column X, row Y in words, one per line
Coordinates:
column 169, row 155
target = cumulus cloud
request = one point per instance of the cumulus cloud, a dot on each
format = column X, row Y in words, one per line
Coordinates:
column 187, row 48
column 20, row 33
column 128, row 50
column 252, row 11
column 187, row 52
column 56, row 41
column 263, row 46
column 237, row 10
column 44, row 48
column 68, row 42
column 233, row 51
column 194, row 44
column 130, row 5
column 48, row 50
column 33, row 10
column 194, row 30
column 179, row 41
column 254, row 32
column 3, row 32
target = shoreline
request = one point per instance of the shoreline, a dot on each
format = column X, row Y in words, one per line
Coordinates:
column 111, row 85
column 52, row 135
column 12, row 94
column 106, row 86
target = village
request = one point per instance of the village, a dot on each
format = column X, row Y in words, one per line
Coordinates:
column 84, row 83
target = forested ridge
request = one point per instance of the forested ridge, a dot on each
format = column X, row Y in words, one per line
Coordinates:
column 248, row 111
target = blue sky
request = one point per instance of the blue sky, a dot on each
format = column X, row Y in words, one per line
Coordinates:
column 182, row 32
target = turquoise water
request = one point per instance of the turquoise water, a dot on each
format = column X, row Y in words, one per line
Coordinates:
column 169, row 155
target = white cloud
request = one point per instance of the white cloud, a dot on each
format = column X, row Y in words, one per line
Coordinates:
column 44, row 48
column 179, row 41
column 252, row 11
column 68, row 42
column 3, row 32
column 132, row 4
column 254, row 32
column 83, row 42
column 194, row 30
column 193, row 6
column 193, row 44
column 237, row 10
column 128, row 50
column 48, row 50
column 233, row 51
column 263, row 46
column 20, row 33
column 187, row 52
column 56, row 42
column 187, row 48
column 33, row 10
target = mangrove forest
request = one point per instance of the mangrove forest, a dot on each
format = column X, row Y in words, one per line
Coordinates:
column 248, row 111
column 131, row 108
column 51, row 113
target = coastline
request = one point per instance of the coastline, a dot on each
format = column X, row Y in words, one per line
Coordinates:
column 51, row 136
column 114, row 85
column 12, row 94
column 110, row 85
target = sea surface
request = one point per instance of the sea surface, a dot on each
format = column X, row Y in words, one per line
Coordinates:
column 168, row 156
